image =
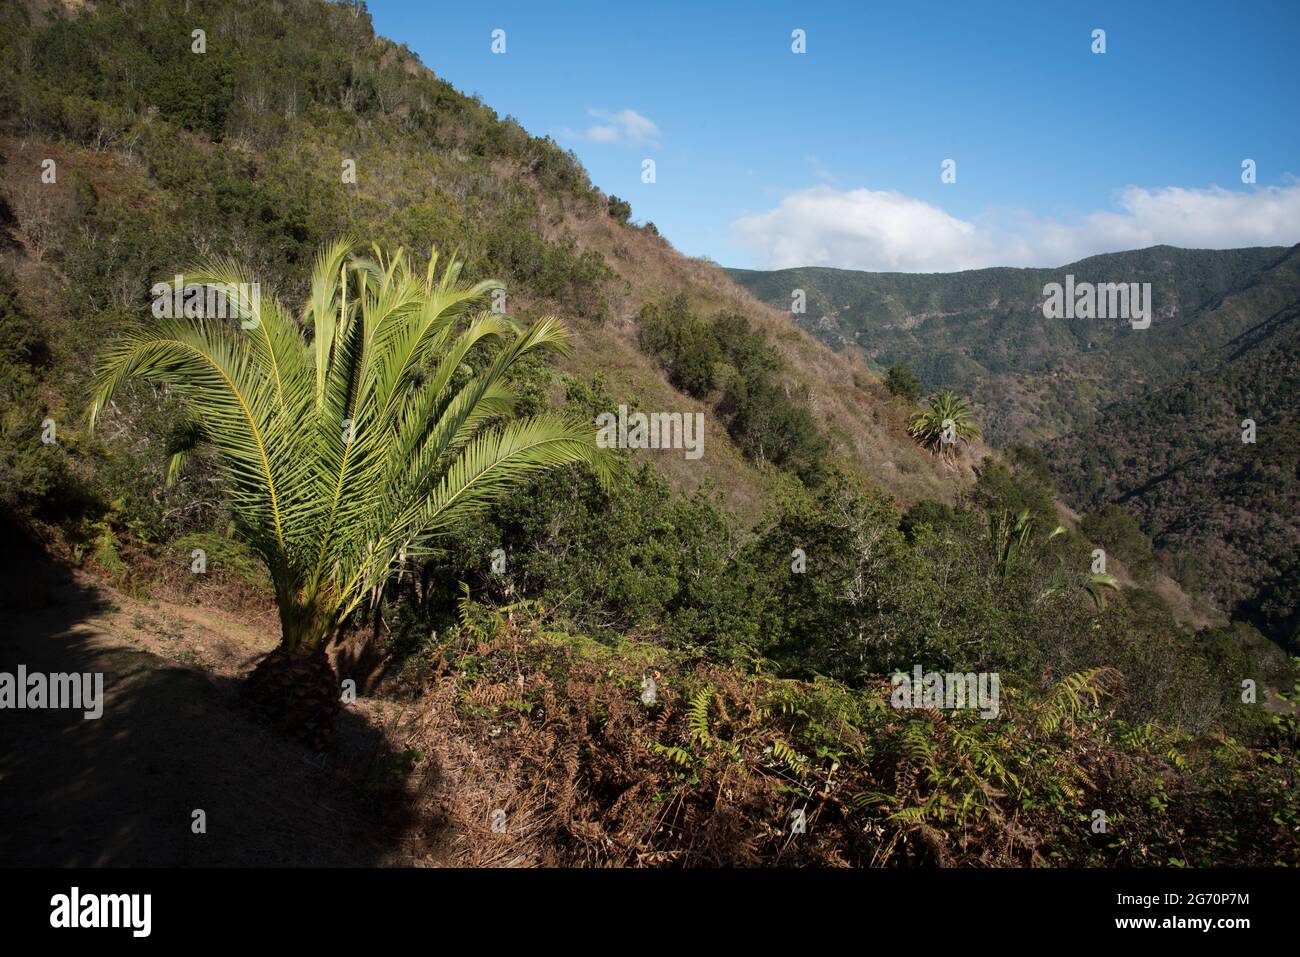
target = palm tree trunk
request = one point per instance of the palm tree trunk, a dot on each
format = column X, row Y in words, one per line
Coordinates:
column 303, row 624
column 294, row 688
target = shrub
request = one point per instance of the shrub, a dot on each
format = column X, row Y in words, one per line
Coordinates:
column 902, row 381
column 619, row 209
column 1120, row 535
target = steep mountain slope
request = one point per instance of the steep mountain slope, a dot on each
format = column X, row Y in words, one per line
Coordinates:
column 1228, row 509
column 165, row 155
column 523, row 688
column 984, row 332
column 1149, row 419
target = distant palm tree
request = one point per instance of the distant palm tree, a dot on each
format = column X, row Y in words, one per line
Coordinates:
column 947, row 420
column 1010, row 540
column 1094, row 585
column 351, row 437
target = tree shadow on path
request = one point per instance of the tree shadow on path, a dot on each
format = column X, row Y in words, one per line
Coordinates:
column 121, row 790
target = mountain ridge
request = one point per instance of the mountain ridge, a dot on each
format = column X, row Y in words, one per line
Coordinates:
column 1149, row 419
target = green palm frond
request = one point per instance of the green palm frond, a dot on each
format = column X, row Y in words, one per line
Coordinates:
column 947, row 420
column 346, row 435
column 1096, row 584
column 1008, row 539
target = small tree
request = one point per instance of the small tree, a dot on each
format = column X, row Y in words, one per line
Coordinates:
column 902, row 381
column 352, row 437
column 946, row 421
column 684, row 344
column 620, row 209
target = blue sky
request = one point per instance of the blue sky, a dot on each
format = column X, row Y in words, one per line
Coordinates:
column 767, row 158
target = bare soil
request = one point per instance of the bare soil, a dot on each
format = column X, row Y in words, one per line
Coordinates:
column 122, row 790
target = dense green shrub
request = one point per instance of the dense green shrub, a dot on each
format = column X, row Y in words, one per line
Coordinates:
column 620, row 209
column 766, row 423
column 902, row 381
column 683, row 344
column 999, row 488
column 1119, row 533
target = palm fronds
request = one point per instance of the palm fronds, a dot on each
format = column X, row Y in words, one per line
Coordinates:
column 351, row 433
column 947, row 420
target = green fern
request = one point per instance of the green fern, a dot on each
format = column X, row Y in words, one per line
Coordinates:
column 792, row 759
column 697, row 717
column 862, row 800
column 679, row 756
column 1074, row 695
column 916, row 814
column 916, row 742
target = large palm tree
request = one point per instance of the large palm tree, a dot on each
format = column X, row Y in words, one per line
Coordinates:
column 351, row 435
column 947, row 420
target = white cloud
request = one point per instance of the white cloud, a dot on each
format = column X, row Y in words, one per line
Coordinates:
column 622, row 128
column 887, row 231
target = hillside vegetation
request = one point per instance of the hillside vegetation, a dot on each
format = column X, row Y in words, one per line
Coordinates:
column 1150, row 420
column 983, row 331
column 1227, row 511
column 240, row 151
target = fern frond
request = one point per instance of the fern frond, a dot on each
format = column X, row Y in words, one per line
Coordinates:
column 1074, row 695
column 697, row 716
column 790, row 758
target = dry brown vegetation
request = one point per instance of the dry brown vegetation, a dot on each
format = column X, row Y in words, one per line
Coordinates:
column 868, row 428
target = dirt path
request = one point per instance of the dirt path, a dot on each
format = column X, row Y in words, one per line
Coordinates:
column 122, row 789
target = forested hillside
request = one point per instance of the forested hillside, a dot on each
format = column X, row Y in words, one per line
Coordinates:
column 984, row 332
column 1146, row 419
column 242, row 151
column 1222, row 497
